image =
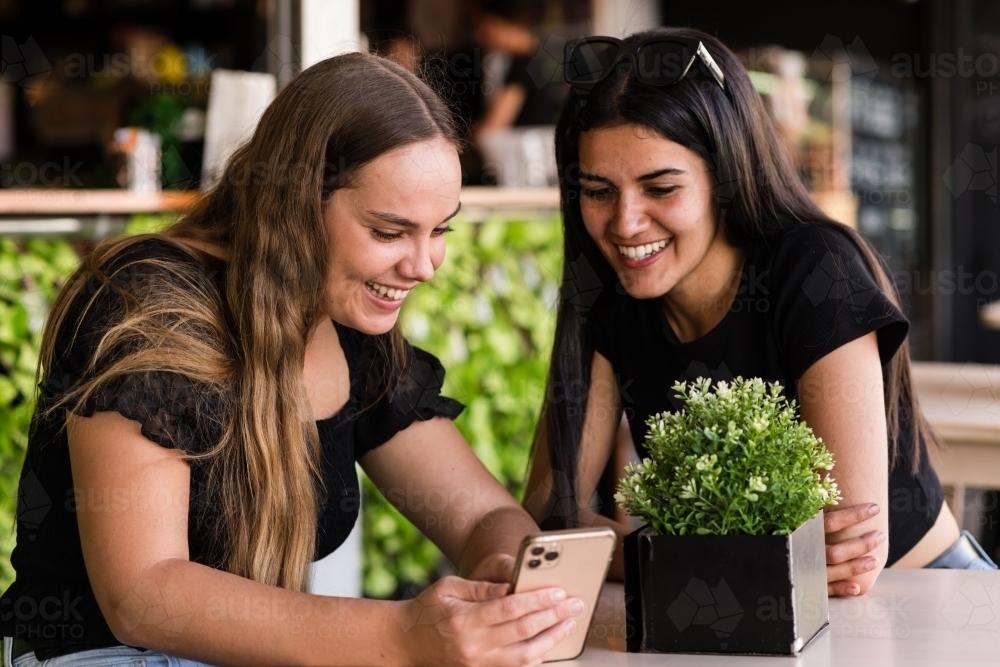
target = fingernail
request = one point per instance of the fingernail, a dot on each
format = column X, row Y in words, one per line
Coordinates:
column 870, row 565
column 880, row 538
column 570, row 626
column 575, row 607
column 558, row 595
column 873, row 510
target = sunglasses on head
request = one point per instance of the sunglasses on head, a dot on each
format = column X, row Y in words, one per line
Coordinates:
column 657, row 61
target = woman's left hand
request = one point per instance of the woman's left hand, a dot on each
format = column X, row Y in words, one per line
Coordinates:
column 849, row 557
column 497, row 567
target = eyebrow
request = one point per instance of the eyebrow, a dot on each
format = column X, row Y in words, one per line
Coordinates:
column 668, row 171
column 403, row 222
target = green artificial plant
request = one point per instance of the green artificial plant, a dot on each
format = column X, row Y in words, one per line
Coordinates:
column 736, row 460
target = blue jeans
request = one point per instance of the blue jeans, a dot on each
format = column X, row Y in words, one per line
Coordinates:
column 964, row 554
column 114, row 656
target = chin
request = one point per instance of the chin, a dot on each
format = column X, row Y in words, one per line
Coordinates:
column 357, row 318
column 374, row 326
column 642, row 290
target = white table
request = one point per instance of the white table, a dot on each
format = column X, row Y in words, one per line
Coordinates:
column 910, row 618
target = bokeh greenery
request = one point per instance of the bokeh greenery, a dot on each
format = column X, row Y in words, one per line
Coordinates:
column 31, row 273
column 488, row 314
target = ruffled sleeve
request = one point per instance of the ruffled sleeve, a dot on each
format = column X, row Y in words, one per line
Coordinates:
column 172, row 409
column 417, row 396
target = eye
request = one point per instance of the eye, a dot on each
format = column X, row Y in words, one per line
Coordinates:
column 602, row 194
column 443, row 230
column 662, row 191
column 385, row 236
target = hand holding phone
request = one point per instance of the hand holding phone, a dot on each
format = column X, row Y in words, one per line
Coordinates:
column 575, row 560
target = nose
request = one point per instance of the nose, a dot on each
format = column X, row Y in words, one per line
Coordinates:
column 630, row 216
column 418, row 264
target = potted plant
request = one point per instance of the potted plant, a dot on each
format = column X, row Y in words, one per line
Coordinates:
column 733, row 557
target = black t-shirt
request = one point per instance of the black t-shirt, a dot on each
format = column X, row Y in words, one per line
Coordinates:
column 51, row 598
column 802, row 294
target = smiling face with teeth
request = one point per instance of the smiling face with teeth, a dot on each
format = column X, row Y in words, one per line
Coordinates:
column 386, row 232
column 647, row 203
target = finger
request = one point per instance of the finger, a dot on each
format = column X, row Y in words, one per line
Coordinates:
column 534, row 650
column 498, row 568
column 529, row 625
column 506, row 568
column 471, row 591
column 516, row 605
column 843, row 589
column 501, row 589
column 850, row 569
column 836, row 520
column 854, row 547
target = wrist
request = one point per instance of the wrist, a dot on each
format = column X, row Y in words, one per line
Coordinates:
column 401, row 629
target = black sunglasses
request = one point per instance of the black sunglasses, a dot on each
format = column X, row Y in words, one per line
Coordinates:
column 657, row 61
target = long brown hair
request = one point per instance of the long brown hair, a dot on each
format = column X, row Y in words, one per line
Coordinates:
column 245, row 342
column 757, row 193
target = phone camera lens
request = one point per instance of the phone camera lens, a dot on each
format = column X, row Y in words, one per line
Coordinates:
column 538, row 550
column 534, row 562
column 552, row 555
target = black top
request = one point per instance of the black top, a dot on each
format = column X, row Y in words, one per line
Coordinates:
column 51, row 597
column 802, row 294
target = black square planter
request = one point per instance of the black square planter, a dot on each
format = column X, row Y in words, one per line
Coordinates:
column 749, row 594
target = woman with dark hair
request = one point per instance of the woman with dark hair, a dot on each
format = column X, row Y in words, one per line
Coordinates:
column 692, row 249
column 206, row 392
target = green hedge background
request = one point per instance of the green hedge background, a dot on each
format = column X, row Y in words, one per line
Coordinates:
column 488, row 314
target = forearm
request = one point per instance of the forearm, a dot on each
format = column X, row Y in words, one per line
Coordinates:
column 190, row 610
column 500, row 531
column 616, row 572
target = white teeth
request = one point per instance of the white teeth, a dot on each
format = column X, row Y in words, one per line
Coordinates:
column 642, row 251
column 387, row 292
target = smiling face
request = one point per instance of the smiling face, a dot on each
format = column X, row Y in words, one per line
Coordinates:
column 387, row 232
column 647, row 203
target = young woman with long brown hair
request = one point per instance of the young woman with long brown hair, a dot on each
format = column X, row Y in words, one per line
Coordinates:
column 207, row 390
column 693, row 249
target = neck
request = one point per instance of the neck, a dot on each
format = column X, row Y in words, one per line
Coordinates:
column 700, row 301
